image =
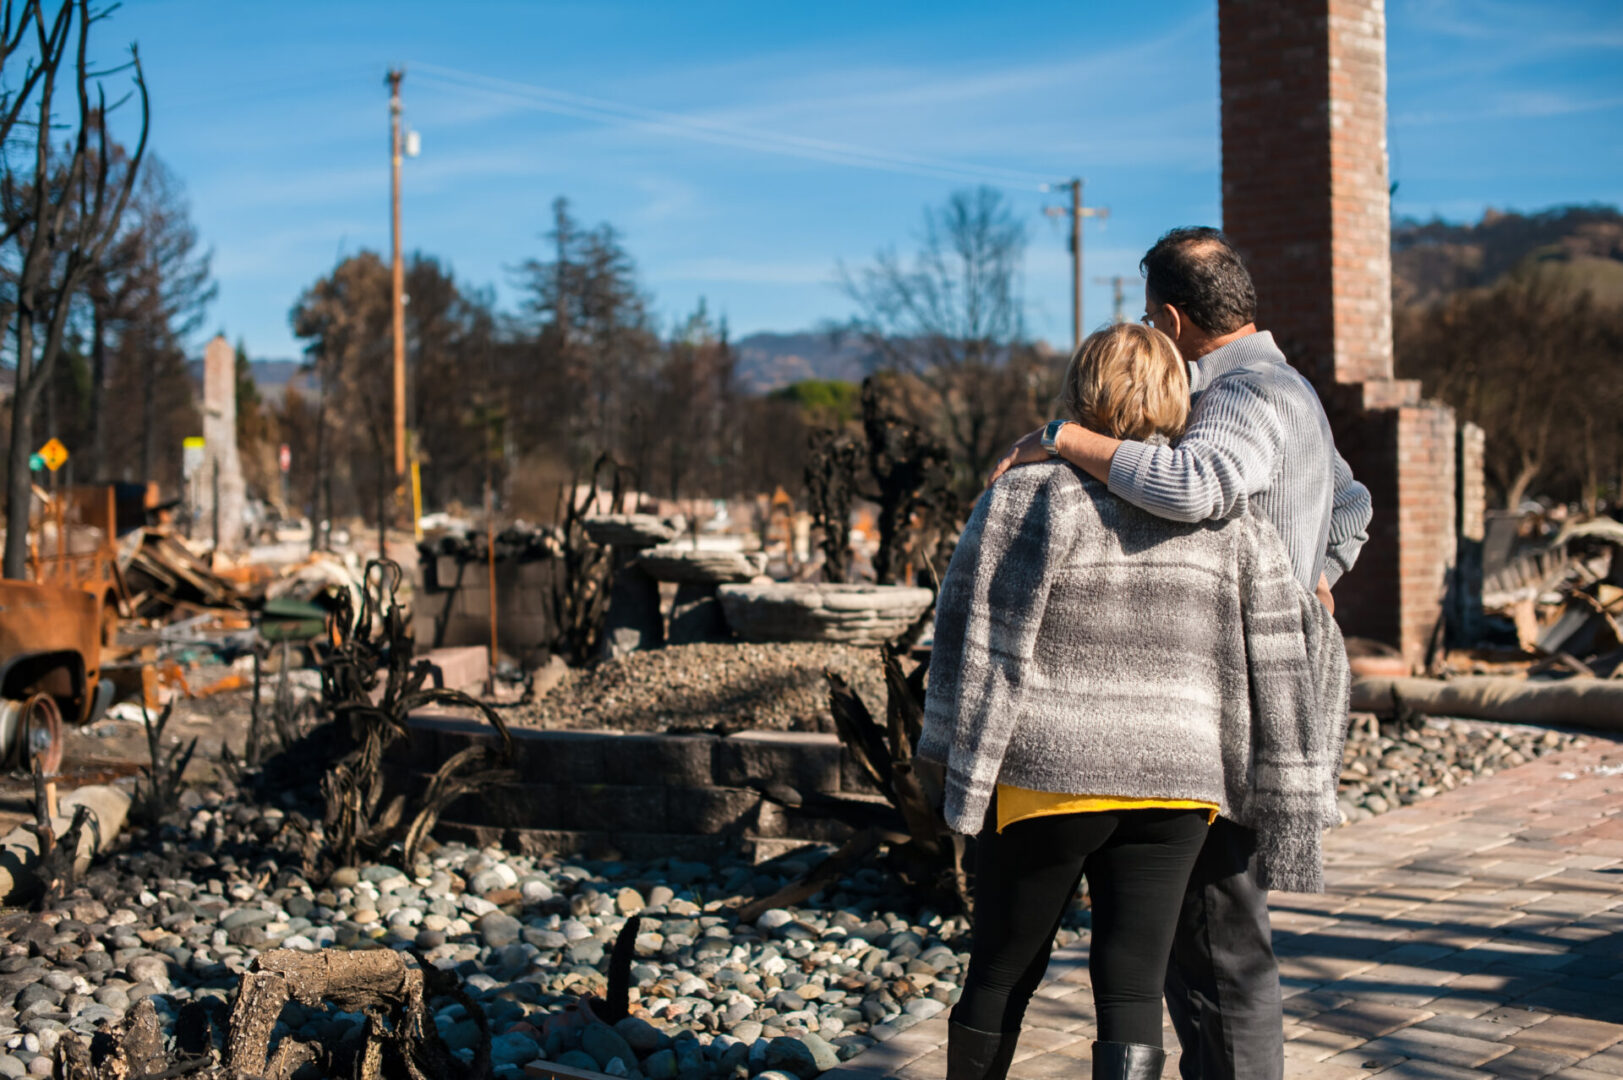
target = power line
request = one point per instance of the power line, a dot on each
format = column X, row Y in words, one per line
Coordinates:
column 564, row 103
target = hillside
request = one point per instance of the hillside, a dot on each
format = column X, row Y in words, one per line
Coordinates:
column 1433, row 259
column 768, row 361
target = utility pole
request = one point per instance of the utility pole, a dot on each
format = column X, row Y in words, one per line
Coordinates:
column 1076, row 212
column 1118, row 295
column 399, row 297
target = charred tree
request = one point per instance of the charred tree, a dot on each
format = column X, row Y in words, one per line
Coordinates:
column 913, row 473
column 831, row 480
column 370, row 710
column 62, row 217
column 580, row 593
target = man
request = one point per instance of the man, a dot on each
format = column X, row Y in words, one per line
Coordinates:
column 1257, row 437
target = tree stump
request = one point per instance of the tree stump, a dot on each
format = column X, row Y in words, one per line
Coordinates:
column 401, row 1037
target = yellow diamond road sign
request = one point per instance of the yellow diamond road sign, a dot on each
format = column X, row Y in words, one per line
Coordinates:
column 54, row 454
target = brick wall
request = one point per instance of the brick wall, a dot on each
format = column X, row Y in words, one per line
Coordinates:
column 1305, row 198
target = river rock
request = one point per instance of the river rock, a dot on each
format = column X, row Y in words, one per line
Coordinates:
column 605, row 1045
column 499, row 929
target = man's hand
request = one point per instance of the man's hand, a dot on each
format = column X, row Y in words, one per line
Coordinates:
column 1323, row 593
column 1026, row 450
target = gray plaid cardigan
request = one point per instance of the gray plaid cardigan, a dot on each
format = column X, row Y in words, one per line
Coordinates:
column 1085, row 646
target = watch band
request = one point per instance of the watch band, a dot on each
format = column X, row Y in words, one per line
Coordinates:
column 1050, row 438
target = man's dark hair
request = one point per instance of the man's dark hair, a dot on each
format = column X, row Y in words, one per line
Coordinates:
column 1197, row 271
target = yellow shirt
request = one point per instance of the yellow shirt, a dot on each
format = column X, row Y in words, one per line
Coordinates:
column 1017, row 804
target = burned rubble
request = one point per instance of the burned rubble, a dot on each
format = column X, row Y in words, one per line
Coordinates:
column 180, row 914
column 295, row 915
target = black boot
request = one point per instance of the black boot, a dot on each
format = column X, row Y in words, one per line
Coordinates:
column 979, row 1055
column 1126, row 1061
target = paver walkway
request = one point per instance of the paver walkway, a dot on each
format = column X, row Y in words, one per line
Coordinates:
column 1477, row 934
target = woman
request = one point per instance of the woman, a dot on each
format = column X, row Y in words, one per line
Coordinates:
column 1091, row 684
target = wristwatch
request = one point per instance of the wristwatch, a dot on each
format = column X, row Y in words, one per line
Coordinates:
column 1051, row 434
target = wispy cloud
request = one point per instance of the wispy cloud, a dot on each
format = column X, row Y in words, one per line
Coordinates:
column 269, row 255
column 1533, row 29
column 736, row 270
column 666, row 200
column 1529, row 104
column 985, row 117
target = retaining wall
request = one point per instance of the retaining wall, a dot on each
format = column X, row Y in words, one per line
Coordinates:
column 640, row 796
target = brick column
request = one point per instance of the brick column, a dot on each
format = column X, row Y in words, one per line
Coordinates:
column 1305, row 198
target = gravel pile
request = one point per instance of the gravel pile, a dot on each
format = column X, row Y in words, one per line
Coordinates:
column 1388, row 765
column 771, row 687
column 178, row 919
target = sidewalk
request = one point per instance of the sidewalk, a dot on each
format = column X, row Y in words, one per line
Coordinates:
column 1478, row 934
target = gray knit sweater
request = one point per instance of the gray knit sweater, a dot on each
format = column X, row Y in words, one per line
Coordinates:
column 1085, row 646
column 1257, row 437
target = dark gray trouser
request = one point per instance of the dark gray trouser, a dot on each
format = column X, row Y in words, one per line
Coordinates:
column 1223, row 982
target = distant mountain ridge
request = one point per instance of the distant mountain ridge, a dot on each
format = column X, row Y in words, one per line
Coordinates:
column 769, row 361
column 1432, row 259
column 766, row 361
column 272, row 377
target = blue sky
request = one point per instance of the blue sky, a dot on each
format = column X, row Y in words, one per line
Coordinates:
column 274, row 116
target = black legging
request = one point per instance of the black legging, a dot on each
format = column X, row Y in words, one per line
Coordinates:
column 1137, row 864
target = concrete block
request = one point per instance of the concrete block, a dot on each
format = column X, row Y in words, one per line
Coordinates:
column 820, row 830
column 462, row 629
column 541, row 756
column 760, row 849
column 445, row 571
column 522, row 806
column 420, row 749
column 612, row 807
column 473, row 602
column 563, row 756
column 706, row 811
column 681, row 761
column 526, row 600
column 804, row 761
column 536, row 575
column 521, row 633
column 448, row 733
column 459, row 667
column 770, row 821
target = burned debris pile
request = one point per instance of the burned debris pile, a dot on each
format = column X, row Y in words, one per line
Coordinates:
column 166, row 579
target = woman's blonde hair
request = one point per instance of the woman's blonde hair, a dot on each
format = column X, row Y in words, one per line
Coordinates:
column 1129, row 382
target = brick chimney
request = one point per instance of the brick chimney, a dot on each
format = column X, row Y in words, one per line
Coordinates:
column 1306, row 199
